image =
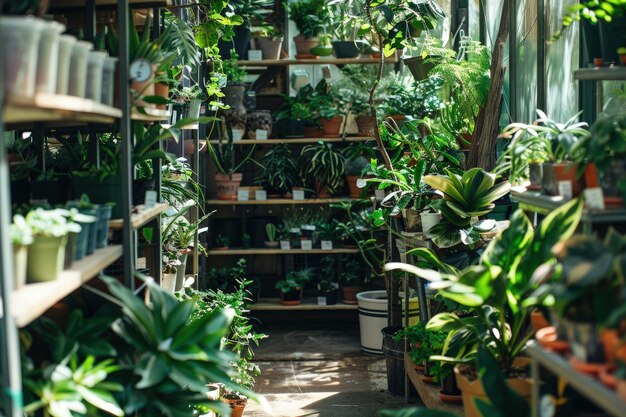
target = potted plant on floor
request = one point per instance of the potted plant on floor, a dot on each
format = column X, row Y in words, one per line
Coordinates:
column 324, row 166
column 351, row 280
column 310, row 18
column 279, row 172
column 270, row 232
column 292, row 285
column 500, row 293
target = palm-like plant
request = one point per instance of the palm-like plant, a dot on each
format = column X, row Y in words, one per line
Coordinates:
column 279, row 170
column 324, row 165
column 465, row 198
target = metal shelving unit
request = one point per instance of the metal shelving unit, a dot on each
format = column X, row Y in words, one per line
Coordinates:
column 584, row 384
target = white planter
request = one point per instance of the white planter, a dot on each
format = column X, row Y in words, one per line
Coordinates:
column 285, row 244
column 169, row 282
column 95, row 65
column 78, row 69
column 373, row 318
column 19, row 37
column 429, row 220
column 48, row 58
column 66, row 44
column 108, row 81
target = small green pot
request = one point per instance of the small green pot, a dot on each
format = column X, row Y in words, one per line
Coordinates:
column 20, row 257
column 45, row 258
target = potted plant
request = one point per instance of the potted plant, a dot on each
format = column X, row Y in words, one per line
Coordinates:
column 324, row 166
column 357, row 159
column 346, row 44
column 351, row 280
column 333, row 105
column 239, row 40
column 187, row 102
column 171, row 263
column 500, row 294
column 21, row 238
column 46, row 254
column 292, row 285
column 227, row 179
column 270, row 232
column 310, row 17
column 246, row 241
column 326, row 283
column 233, row 97
column 221, row 242
column 621, row 51
column 279, row 171
column 295, row 112
column 270, row 41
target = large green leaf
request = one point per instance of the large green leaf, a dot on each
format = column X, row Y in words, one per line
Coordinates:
column 446, row 186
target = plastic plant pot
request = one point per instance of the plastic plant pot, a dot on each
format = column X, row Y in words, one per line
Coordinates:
column 108, row 81
column 20, row 39
column 92, row 231
column 48, row 57
column 102, row 225
column 20, row 257
column 95, row 65
column 78, row 69
column 45, row 258
column 66, row 44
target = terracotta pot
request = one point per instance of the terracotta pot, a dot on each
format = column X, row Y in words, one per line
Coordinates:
column 292, row 298
column 538, row 320
column 621, row 389
column 622, row 59
column 608, row 378
column 366, row 125
column 598, row 62
column 321, row 190
column 548, row 338
column 303, row 47
column 227, row 187
column 610, row 342
column 355, row 191
column 474, row 389
column 349, row 294
column 189, row 146
column 313, row 132
column 332, row 127
column 143, row 89
column 553, row 173
column 236, row 406
column 271, row 47
column 163, row 90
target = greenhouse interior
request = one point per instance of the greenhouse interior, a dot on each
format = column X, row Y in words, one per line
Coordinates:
column 320, row 208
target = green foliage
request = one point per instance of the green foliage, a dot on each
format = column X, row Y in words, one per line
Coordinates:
column 225, row 279
column 51, row 223
column 500, row 291
column 420, row 99
column 322, row 163
column 249, row 10
column 466, row 197
column 593, row 11
column 270, row 232
column 426, row 343
column 294, row 280
column 310, row 16
column 235, row 75
column 279, row 171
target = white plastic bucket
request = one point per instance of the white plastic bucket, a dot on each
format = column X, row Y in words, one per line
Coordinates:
column 48, row 58
column 95, row 65
column 108, row 81
column 78, row 69
column 19, row 37
column 429, row 220
column 66, row 44
column 168, row 282
column 373, row 319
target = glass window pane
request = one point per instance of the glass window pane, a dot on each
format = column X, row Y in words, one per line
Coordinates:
column 526, row 59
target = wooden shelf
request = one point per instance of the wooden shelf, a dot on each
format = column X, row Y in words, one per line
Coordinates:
column 140, row 218
column 428, row 393
column 612, row 73
column 280, row 201
column 295, row 141
column 308, row 304
column 333, row 61
column 57, row 108
column 149, row 115
column 67, row 4
column 267, row 251
column 33, row 300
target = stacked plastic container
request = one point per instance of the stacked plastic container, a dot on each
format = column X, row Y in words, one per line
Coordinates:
column 38, row 59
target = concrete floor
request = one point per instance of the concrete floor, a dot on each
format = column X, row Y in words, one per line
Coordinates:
column 319, row 371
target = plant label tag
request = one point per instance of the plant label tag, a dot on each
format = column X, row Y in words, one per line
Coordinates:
column 327, row 245
column 260, row 195
column 237, row 134
column 255, row 55
column 321, row 301
column 150, row 199
column 261, row 134
column 379, row 195
column 594, row 198
column 285, row 245
column 565, row 189
column 141, row 263
column 298, row 194
column 306, row 244
column 243, row 195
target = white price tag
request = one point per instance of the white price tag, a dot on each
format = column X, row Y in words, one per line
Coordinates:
column 327, row 245
column 594, row 198
column 260, row 195
column 261, row 134
column 243, row 195
column 150, row 199
column 285, row 245
column 298, row 194
column 565, row 189
column 255, row 55
column 141, row 263
column 379, row 194
column 306, row 244
column 321, row 301
column 237, row 134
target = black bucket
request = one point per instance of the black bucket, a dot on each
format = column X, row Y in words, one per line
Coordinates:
column 394, row 357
